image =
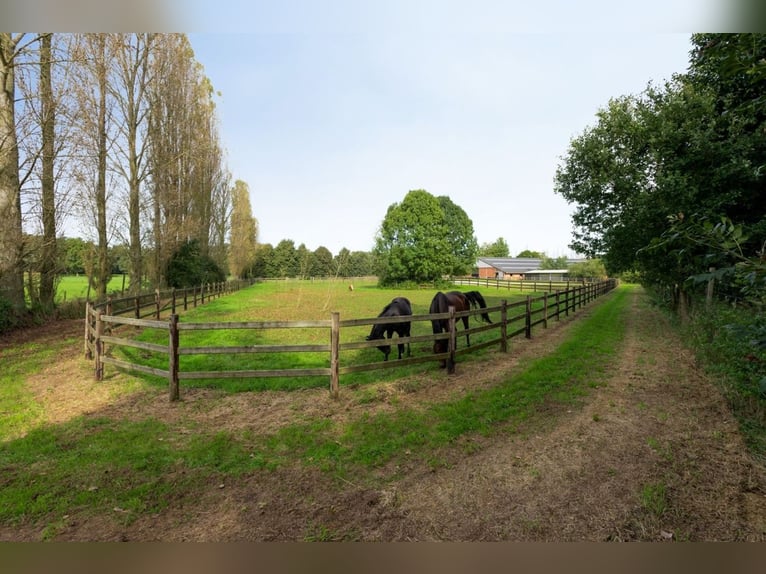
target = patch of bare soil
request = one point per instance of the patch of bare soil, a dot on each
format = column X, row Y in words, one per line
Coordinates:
column 653, row 454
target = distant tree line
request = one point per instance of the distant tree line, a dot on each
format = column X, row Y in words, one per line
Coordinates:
column 287, row 260
column 284, row 260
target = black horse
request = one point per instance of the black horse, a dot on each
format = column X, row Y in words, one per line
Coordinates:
column 461, row 302
column 397, row 307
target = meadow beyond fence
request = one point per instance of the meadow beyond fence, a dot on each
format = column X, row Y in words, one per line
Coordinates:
column 103, row 322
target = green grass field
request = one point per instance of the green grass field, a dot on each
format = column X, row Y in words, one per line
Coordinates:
column 76, row 287
column 295, row 301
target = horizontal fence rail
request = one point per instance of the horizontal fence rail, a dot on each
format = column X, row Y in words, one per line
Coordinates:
column 521, row 285
column 528, row 313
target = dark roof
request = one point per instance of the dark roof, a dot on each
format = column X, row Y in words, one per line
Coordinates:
column 518, row 265
column 512, row 265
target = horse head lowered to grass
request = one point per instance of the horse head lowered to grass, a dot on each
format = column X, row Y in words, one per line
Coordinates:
column 398, row 306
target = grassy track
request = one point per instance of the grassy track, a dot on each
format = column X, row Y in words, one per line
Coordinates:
column 100, row 465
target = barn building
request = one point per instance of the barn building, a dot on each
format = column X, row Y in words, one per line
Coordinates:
column 519, row 268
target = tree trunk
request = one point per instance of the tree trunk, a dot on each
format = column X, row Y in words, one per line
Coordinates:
column 11, row 246
column 103, row 271
column 48, row 254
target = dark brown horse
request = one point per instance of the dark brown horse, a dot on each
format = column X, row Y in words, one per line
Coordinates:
column 397, row 307
column 461, row 302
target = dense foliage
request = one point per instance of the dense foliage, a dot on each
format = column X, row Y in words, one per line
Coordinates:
column 669, row 189
column 424, row 238
column 660, row 166
column 189, row 267
column 499, row 248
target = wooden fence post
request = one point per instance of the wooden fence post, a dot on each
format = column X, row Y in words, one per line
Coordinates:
column 157, row 303
column 504, row 326
column 108, row 328
column 566, row 301
column 88, row 353
column 452, row 344
column 173, row 357
column 172, row 300
column 186, row 298
column 545, row 310
column 98, row 345
column 528, row 318
column 138, row 307
column 558, row 307
column 335, row 355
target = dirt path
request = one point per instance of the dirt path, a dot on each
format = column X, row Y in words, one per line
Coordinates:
column 653, row 455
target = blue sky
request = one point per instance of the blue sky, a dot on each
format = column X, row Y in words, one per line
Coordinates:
column 329, row 128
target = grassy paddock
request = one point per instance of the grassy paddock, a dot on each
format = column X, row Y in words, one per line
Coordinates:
column 76, row 287
column 129, row 469
column 294, row 301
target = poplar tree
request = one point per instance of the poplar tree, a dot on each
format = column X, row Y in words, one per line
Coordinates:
column 244, row 231
column 11, row 236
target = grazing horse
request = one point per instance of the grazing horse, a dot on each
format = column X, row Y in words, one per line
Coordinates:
column 461, row 302
column 397, row 307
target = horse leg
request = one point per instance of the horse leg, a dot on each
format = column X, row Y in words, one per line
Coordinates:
column 467, row 335
column 409, row 353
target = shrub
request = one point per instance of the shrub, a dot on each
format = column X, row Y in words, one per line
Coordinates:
column 189, row 267
column 8, row 317
column 730, row 342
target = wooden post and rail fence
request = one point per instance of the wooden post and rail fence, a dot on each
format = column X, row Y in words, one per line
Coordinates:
column 516, row 318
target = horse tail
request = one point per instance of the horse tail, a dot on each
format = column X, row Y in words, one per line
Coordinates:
column 476, row 298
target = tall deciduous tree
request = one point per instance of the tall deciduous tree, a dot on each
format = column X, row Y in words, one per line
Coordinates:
column 95, row 133
column 190, row 187
column 460, row 237
column 693, row 148
column 244, row 231
column 48, row 118
column 321, row 262
column 11, row 244
column 284, row 260
column 36, row 133
column 414, row 240
column 130, row 90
